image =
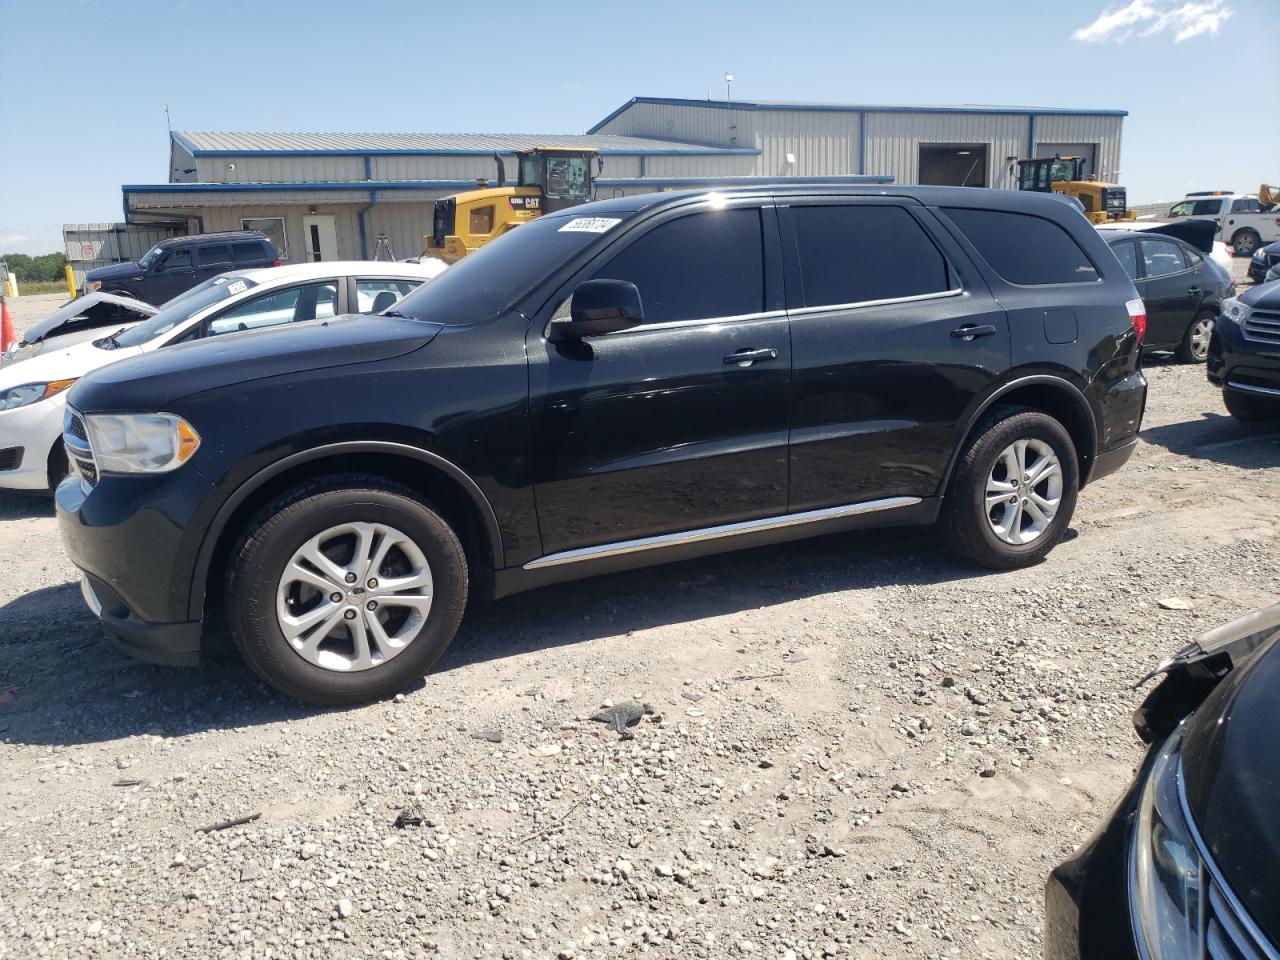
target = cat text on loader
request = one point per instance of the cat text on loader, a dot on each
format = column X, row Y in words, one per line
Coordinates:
column 1102, row 201
column 549, row 179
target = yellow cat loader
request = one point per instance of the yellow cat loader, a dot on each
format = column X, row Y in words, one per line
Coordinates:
column 549, row 179
column 1102, row 201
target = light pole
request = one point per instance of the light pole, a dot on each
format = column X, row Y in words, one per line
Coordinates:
column 728, row 87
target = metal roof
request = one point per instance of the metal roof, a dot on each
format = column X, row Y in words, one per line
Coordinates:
column 860, row 108
column 207, row 144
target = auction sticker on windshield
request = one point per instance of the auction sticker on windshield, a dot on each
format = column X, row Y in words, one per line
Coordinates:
column 236, row 287
column 590, row 224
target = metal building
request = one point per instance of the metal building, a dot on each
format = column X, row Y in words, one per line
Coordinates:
column 324, row 196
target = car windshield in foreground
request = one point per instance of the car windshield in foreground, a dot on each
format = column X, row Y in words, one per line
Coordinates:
column 482, row 283
column 180, row 309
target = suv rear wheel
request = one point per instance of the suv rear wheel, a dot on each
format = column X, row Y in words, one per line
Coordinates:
column 345, row 590
column 1014, row 490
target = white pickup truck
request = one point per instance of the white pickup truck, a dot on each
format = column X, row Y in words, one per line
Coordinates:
column 1244, row 222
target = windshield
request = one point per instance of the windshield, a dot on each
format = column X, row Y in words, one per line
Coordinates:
column 479, row 285
column 149, row 258
column 180, row 309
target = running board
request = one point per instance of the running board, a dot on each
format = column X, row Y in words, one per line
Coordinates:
column 715, row 533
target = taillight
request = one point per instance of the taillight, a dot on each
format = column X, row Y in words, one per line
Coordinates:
column 1137, row 317
column 276, row 264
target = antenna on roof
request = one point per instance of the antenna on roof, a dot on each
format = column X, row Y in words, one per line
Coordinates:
column 168, row 126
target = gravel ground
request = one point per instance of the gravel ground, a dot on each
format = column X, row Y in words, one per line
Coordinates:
column 856, row 746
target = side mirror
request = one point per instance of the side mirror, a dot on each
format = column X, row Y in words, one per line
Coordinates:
column 599, row 307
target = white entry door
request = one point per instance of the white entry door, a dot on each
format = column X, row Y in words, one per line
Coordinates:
column 320, row 232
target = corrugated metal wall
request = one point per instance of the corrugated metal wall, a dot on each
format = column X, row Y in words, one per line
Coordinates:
column 823, row 143
column 894, row 139
column 90, row 245
column 1104, row 131
column 721, row 127
column 279, row 169
column 347, row 228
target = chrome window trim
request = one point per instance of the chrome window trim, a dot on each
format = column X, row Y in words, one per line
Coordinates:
column 1241, row 915
column 701, row 534
column 888, row 302
column 680, row 324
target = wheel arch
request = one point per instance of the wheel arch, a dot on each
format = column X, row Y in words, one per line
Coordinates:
column 437, row 479
column 1054, row 395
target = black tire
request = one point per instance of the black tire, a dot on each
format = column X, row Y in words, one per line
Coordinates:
column 1187, row 352
column 58, row 467
column 281, row 528
column 1245, row 242
column 1250, row 409
column 965, row 523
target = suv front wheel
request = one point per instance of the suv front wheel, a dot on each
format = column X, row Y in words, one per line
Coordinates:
column 345, row 590
column 1014, row 490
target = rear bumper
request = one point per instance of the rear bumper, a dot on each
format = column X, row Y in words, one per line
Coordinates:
column 1108, row 462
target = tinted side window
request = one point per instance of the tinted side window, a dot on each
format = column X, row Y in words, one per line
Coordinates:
column 855, row 253
column 704, row 265
column 1128, row 257
column 248, row 252
column 1024, row 249
column 1192, row 257
column 178, row 260
column 215, row 255
column 1207, row 208
column 1161, row 257
column 1246, row 205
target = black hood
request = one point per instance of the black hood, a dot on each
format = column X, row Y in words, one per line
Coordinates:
column 1264, row 296
column 113, row 271
column 1231, row 772
column 152, row 381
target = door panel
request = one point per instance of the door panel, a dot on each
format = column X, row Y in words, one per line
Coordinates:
column 651, row 430
column 177, row 274
column 1167, row 291
column 880, row 387
column 320, row 233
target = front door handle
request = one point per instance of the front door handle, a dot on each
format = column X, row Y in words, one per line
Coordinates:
column 971, row 331
column 1194, row 291
column 748, row 356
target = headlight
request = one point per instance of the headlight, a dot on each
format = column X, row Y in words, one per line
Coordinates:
column 31, row 392
column 141, row 442
column 1234, row 310
column 1166, row 876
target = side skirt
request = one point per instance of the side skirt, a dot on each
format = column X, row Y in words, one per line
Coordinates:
column 688, row 544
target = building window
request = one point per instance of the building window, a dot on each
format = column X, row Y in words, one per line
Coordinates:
column 273, row 228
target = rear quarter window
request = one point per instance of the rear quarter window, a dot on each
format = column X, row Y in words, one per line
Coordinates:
column 250, row 252
column 1024, row 249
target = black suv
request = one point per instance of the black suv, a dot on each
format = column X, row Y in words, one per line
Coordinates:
column 634, row 381
column 1244, row 353
column 176, row 265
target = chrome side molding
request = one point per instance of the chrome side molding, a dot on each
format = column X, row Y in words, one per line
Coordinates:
column 718, row 532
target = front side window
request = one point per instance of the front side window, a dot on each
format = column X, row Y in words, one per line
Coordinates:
column 1128, row 258
column 1161, row 257
column 1182, row 209
column 852, row 254
column 376, row 295
column 149, row 258
column 1206, row 208
column 698, row 267
column 178, row 260
column 1024, row 249
column 291, row 305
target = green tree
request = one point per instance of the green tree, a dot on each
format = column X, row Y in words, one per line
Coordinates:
column 41, row 269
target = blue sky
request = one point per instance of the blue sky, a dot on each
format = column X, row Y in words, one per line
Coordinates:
column 83, row 82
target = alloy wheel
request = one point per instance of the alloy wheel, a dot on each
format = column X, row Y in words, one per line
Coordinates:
column 354, row 596
column 1024, row 490
column 1201, row 331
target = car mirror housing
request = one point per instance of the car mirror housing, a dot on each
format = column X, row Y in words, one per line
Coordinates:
column 599, row 307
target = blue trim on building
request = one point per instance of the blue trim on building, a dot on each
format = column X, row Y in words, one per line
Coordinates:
column 693, row 151
column 862, row 145
column 849, row 108
column 292, row 187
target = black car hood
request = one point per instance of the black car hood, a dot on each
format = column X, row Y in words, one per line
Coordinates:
column 1263, row 296
column 151, row 381
column 113, row 270
column 1231, row 773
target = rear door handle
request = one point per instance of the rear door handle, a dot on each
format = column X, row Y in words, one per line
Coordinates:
column 748, row 356
column 971, row 331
